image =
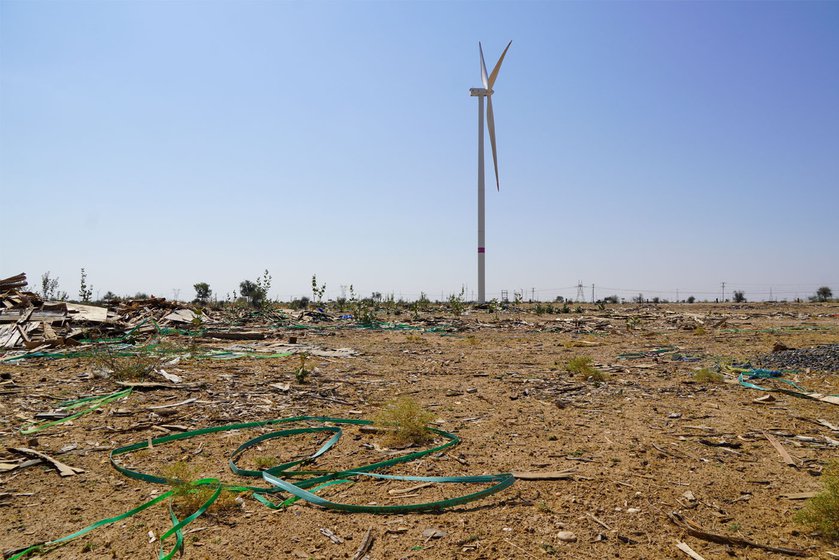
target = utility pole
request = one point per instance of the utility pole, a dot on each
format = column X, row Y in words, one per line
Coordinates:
column 532, row 294
column 677, row 295
column 723, row 292
column 592, row 293
column 770, row 294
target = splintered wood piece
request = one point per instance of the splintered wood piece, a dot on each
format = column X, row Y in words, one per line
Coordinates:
column 699, row 533
column 800, row 495
column 365, row 545
column 331, row 535
column 63, row 470
column 689, row 551
column 780, row 448
column 400, row 491
column 547, row 475
column 140, row 385
column 173, row 405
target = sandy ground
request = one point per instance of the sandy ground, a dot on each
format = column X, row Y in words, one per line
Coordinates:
column 634, row 442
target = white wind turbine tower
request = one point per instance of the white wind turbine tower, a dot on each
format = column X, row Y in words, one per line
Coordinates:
column 481, row 93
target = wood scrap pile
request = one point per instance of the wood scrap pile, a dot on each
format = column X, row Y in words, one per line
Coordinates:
column 27, row 321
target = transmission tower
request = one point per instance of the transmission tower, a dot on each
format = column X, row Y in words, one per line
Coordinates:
column 580, row 295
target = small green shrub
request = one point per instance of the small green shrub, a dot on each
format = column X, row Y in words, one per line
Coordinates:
column 406, row 421
column 301, row 373
column 457, row 304
column 583, row 366
column 705, row 375
column 189, row 497
column 265, row 462
column 580, row 365
column 821, row 513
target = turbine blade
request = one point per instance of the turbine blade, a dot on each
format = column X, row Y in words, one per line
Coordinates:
column 483, row 67
column 491, row 128
column 497, row 68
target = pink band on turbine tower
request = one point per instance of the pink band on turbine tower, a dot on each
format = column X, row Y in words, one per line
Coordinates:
column 482, row 249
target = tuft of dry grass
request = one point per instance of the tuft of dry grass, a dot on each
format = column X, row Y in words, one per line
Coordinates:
column 415, row 338
column 135, row 367
column 821, row 513
column 407, row 422
column 705, row 375
column 265, row 462
column 583, row 366
column 189, row 497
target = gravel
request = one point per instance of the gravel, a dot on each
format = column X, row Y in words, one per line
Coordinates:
column 820, row 358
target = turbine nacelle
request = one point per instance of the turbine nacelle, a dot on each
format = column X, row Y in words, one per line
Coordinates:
column 480, row 92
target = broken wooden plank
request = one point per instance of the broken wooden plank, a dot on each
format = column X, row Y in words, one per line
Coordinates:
column 157, row 385
column 7, row 466
column 63, row 470
column 800, row 495
column 547, row 475
column 173, row 405
column 780, row 448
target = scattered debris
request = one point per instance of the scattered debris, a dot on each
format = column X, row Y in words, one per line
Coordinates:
column 329, row 534
column 696, row 531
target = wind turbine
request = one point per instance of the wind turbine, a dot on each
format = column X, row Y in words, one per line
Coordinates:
column 481, row 93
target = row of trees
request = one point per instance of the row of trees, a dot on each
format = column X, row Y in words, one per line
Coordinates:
column 255, row 293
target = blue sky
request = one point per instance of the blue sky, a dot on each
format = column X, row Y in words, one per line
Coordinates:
column 643, row 146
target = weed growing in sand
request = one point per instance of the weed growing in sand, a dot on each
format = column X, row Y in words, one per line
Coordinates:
column 582, row 366
column 406, row 421
column 415, row 338
column 457, row 304
column 543, row 507
column 265, row 462
column 821, row 513
column 700, row 331
column 633, row 323
column 363, row 310
column 705, row 375
column 125, row 367
column 301, row 373
column 188, row 496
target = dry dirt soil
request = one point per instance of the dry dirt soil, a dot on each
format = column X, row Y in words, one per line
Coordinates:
column 647, row 441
